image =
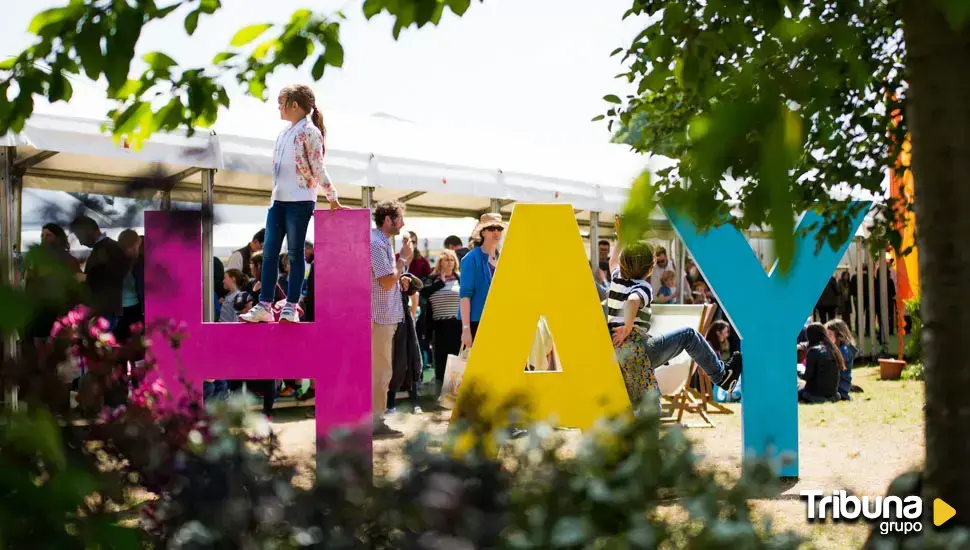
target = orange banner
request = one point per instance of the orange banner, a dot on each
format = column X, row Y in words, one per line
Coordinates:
column 907, row 267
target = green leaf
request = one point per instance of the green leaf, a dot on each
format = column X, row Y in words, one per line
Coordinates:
column 319, row 67
column 209, row 6
column 638, row 209
column 48, row 18
column 334, row 54
column 120, row 46
column 192, row 22
column 957, row 12
column 263, row 49
column 248, row 34
column 164, row 12
column 8, row 63
column 60, row 88
column 597, row 117
column 38, row 434
column 371, row 8
column 612, row 99
column 131, row 118
column 257, row 88
column 15, row 308
column 222, row 57
column 158, row 61
column 300, row 18
column 616, row 51
column 88, row 47
column 459, row 7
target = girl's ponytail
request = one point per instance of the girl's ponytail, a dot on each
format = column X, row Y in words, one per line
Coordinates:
column 317, row 119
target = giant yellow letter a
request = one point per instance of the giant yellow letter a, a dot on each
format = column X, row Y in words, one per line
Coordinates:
column 543, row 271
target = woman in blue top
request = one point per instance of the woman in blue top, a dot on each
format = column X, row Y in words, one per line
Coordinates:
column 477, row 270
column 842, row 337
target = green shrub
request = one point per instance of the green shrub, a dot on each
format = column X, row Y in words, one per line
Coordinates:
column 913, row 372
column 914, row 347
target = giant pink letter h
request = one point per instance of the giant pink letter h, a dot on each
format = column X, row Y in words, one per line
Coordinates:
column 334, row 350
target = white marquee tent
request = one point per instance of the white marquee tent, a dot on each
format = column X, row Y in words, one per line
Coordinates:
column 436, row 171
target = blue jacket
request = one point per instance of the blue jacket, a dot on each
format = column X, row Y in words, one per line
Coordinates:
column 476, row 279
column 845, row 377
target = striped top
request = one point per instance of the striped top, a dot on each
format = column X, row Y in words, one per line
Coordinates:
column 620, row 291
column 445, row 299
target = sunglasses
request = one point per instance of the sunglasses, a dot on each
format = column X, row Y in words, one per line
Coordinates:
column 494, row 228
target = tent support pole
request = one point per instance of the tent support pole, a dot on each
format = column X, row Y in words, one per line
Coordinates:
column 9, row 239
column 495, row 206
column 594, row 239
column 166, row 200
column 860, row 319
column 367, row 197
column 884, row 322
column 681, row 268
column 871, row 314
column 208, row 222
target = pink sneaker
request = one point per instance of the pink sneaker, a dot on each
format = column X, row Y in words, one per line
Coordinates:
column 289, row 314
column 259, row 314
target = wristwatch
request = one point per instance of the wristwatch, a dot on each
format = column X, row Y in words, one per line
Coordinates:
column 466, row 326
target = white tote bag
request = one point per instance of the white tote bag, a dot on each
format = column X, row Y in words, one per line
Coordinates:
column 454, row 372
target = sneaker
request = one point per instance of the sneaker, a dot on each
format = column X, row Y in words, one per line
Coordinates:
column 383, row 430
column 417, row 410
column 306, row 396
column 286, row 392
column 259, row 314
column 289, row 314
column 732, row 373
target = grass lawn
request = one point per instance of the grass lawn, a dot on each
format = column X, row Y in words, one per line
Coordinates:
column 859, row 446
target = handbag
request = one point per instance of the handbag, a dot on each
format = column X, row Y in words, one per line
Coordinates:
column 454, row 372
column 278, row 306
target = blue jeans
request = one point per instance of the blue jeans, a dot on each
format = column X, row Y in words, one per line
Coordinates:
column 218, row 389
column 290, row 220
column 663, row 348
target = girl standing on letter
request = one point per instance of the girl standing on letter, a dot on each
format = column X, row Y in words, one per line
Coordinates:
column 298, row 175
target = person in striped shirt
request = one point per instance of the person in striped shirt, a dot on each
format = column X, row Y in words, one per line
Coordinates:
column 629, row 315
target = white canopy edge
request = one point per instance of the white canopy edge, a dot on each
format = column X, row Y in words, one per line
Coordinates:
column 433, row 170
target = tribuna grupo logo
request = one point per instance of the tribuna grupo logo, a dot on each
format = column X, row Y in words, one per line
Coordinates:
column 894, row 514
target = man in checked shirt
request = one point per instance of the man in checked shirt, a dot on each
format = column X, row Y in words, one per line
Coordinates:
column 387, row 283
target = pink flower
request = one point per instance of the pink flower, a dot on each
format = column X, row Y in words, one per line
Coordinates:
column 103, row 323
column 108, row 339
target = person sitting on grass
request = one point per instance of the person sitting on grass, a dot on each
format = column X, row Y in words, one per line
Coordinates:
column 842, row 337
column 823, row 365
column 639, row 353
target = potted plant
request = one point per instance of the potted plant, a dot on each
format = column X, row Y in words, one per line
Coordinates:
column 891, row 369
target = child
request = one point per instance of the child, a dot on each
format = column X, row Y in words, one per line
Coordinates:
column 639, row 353
column 299, row 174
column 842, row 337
column 823, row 365
column 701, row 293
column 233, row 282
column 667, row 293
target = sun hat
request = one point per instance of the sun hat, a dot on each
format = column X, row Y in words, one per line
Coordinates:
column 486, row 221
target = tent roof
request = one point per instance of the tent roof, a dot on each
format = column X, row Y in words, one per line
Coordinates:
column 436, row 170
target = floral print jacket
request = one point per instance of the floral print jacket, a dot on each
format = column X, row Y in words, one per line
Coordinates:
column 308, row 153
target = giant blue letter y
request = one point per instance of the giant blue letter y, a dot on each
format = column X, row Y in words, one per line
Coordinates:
column 768, row 310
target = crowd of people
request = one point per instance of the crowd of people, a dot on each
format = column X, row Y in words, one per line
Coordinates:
column 422, row 311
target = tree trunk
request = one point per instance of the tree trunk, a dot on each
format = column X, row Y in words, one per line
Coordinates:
column 938, row 72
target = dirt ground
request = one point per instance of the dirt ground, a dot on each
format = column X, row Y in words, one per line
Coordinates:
column 859, row 446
